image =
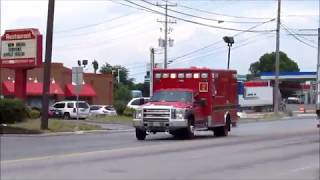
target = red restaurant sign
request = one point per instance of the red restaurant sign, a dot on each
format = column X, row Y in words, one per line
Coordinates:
column 21, row 48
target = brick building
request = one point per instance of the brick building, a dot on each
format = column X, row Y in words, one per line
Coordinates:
column 96, row 89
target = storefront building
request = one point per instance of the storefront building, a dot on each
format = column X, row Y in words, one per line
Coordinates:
column 96, row 88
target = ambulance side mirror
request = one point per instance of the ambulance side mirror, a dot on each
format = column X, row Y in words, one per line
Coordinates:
column 196, row 96
column 141, row 101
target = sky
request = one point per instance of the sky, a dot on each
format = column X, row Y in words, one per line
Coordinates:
column 121, row 33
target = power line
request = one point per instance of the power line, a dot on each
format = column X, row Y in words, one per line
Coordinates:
column 296, row 37
column 100, row 30
column 94, row 24
column 306, row 34
column 219, row 14
column 302, row 37
column 116, row 1
column 243, row 43
column 108, row 41
column 210, row 45
column 205, row 18
column 197, row 23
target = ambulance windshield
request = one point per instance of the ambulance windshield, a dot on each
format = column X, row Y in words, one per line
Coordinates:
column 172, row 96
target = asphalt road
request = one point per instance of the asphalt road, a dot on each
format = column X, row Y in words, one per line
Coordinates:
column 286, row 149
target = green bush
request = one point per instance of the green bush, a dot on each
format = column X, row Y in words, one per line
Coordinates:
column 34, row 114
column 12, row 110
column 128, row 112
column 120, row 106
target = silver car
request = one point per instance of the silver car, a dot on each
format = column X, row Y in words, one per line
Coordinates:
column 107, row 110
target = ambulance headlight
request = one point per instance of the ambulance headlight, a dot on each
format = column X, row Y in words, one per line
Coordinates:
column 138, row 114
column 180, row 113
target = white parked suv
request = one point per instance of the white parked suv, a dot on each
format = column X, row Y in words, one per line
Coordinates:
column 69, row 109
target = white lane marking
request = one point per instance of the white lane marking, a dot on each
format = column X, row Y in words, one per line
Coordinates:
column 305, row 168
column 68, row 155
column 298, row 170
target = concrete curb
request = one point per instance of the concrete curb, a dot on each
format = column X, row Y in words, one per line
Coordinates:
column 103, row 123
column 299, row 116
column 68, row 133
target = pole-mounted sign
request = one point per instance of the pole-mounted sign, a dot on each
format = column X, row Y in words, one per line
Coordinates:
column 21, row 49
column 77, row 79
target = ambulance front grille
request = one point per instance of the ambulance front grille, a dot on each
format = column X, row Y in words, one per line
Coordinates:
column 156, row 115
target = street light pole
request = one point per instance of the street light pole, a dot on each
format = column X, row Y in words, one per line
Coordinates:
column 277, row 64
column 229, row 45
column 151, row 71
column 229, row 40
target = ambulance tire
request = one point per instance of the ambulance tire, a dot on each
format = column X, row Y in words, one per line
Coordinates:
column 222, row 130
column 141, row 134
column 177, row 133
column 189, row 131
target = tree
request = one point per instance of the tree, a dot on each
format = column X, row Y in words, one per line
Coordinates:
column 106, row 69
column 121, row 96
column 123, row 72
column 266, row 63
column 95, row 65
column 121, row 91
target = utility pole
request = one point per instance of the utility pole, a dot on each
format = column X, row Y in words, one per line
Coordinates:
column 164, row 42
column 151, row 71
column 118, row 76
column 166, row 38
column 277, row 64
column 318, row 70
column 47, row 66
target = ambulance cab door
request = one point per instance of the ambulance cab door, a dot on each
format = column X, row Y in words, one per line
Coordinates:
column 199, row 112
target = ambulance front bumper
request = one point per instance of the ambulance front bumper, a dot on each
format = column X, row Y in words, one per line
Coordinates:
column 172, row 124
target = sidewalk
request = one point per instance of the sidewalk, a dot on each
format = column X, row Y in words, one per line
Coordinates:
column 268, row 116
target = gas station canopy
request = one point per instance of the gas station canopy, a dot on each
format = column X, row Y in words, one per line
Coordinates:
column 289, row 75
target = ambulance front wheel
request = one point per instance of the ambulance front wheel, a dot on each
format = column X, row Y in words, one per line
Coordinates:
column 141, row 134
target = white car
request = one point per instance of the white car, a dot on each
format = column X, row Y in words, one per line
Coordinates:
column 107, row 110
column 69, row 110
column 135, row 103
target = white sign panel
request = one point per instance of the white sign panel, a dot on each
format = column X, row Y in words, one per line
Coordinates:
column 77, row 79
column 19, row 49
column 77, row 74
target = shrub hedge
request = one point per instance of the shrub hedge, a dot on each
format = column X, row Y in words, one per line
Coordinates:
column 34, row 114
column 128, row 112
column 12, row 110
column 120, row 106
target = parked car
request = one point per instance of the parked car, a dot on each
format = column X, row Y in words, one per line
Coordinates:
column 134, row 103
column 294, row 100
column 69, row 110
column 55, row 113
column 108, row 110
